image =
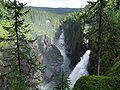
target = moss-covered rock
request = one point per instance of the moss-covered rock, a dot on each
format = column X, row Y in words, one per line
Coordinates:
column 97, row 83
column 109, row 82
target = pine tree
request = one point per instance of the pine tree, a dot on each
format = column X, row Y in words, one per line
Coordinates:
column 63, row 82
column 21, row 69
column 102, row 38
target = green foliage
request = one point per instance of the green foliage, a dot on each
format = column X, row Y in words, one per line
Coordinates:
column 58, row 10
column 110, row 46
column 20, row 68
column 97, row 83
column 63, row 82
column 43, row 23
column 110, row 34
column 109, row 82
column 114, row 71
column 1, row 4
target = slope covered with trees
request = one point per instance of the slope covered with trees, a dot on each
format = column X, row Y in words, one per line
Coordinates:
column 58, row 10
column 26, row 36
column 42, row 22
column 19, row 66
column 95, row 27
column 88, row 22
column 99, row 25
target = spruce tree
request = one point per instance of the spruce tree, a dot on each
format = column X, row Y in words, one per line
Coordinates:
column 102, row 35
column 63, row 82
column 20, row 69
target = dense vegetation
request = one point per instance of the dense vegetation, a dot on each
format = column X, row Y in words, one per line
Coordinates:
column 58, row 10
column 99, row 21
column 19, row 65
column 63, row 82
column 18, row 26
column 43, row 23
column 110, row 81
column 109, row 42
column 96, row 27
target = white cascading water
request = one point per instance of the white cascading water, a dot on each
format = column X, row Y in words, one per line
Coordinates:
column 66, row 62
column 80, row 69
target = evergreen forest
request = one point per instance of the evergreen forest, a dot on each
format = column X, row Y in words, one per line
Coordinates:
column 44, row 48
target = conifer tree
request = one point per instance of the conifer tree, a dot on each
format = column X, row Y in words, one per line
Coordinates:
column 101, row 35
column 21, row 69
column 63, row 82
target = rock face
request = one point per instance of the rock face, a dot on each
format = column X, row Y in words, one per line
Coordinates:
column 51, row 59
column 73, row 41
column 58, row 33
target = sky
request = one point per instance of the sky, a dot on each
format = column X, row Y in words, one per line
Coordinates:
column 57, row 3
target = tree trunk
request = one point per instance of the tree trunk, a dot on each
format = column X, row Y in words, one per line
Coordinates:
column 99, row 36
column 17, row 38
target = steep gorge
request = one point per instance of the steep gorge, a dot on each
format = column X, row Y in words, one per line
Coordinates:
column 61, row 41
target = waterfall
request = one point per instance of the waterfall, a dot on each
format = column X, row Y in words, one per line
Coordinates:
column 80, row 69
column 60, row 44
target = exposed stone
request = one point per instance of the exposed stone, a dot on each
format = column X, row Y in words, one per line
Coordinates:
column 73, row 41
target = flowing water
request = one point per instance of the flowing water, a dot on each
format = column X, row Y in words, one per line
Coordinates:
column 60, row 44
column 80, row 69
column 66, row 62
